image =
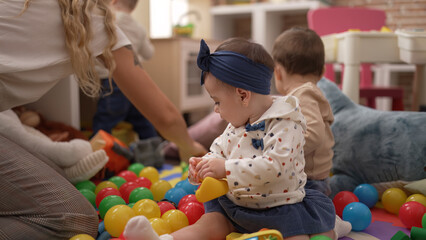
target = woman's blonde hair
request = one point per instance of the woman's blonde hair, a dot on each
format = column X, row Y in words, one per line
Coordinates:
column 78, row 34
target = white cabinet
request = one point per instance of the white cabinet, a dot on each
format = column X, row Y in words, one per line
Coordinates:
column 265, row 21
column 174, row 69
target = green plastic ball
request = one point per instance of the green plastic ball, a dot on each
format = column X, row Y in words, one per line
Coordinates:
column 424, row 221
column 117, row 180
column 136, row 168
column 139, row 194
column 89, row 195
column 86, row 185
column 320, row 237
column 109, row 202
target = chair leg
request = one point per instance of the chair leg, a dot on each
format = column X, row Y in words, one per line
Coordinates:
column 371, row 102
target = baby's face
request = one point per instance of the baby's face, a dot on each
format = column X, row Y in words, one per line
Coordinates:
column 226, row 101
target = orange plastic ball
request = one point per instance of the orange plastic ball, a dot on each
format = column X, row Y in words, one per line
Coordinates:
column 392, row 199
column 116, row 219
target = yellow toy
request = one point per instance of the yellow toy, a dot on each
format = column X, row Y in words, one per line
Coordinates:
column 263, row 234
column 211, row 188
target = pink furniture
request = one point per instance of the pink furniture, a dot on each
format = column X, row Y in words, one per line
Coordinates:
column 325, row 21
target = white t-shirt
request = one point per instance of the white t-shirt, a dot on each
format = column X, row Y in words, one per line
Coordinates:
column 33, row 54
column 264, row 163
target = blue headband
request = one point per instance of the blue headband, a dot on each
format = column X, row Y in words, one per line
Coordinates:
column 234, row 69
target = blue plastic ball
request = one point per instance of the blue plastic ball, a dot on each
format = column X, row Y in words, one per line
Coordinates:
column 187, row 186
column 175, row 194
column 358, row 214
column 367, row 194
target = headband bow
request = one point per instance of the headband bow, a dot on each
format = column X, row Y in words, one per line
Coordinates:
column 235, row 69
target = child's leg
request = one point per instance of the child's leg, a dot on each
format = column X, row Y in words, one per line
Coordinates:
column 213, row 225
column 210, row 226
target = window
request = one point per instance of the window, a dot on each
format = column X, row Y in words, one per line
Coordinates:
column 164, row 14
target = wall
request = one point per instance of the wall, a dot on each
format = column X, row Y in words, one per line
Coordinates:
column 399, row 13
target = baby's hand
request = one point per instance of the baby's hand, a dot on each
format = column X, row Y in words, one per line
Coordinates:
column 213, row 167
column 192, row 172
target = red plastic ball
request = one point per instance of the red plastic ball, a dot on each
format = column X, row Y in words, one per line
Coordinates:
column 127, row 188
column 411, row 214
column 186, row 199
column 145, row 182
column 165, row 206
column 342, row 199
column 193, row 211
column 128, row 175
column 104, row 193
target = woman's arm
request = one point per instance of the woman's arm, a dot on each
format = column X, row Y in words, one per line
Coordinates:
column 139, row 88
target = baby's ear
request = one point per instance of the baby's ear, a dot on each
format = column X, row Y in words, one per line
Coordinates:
column 244, row 95
column 277, row 72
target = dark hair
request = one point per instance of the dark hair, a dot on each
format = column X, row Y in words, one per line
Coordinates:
column 251, row 50
column 299, row 51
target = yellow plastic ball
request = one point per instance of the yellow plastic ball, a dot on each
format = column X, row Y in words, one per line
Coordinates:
column 105, row 184
column 116, row 219
column 392, row 199
column 147, row 208
column 82, row 237
column 176, row 219
column 151, row 173
column 417, row 198
column 160, row 226
column 159, row 189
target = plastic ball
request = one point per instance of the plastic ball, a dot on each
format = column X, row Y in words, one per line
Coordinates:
column 151, row 173
column 128, row 175
column 108, row 202
column 358, row 214
column 320, row 237
column 86, row 185
column 417, row 198
column 187, row 186
column 193, row 211
column 89, row 195
column 144, row 182
column 104, row 193
column 136, row 168
column 367, row 194
column 147, row 208
column 104, row 184
column 424, row 221
column 82, row 237
column 140, row 193
column 342, row 199
column 159, row 189
column 411, row 214
column 116, row 219
column 160, row 226
column 186, row 199
column 176, row 219
column 131, row 204
column 392, row 199
column 127, row 188
column 175, row 195
column 184, row 175
column 118, row 181
column 165, row 206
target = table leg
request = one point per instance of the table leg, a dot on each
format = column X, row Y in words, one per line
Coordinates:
column 350, row 85
column 419, row 88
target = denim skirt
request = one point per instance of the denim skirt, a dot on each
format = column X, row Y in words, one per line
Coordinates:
column 315, row 214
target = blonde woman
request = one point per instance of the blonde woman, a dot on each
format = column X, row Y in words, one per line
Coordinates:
column 42, row 42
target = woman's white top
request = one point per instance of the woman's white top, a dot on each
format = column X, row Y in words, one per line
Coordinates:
column 33, row 54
